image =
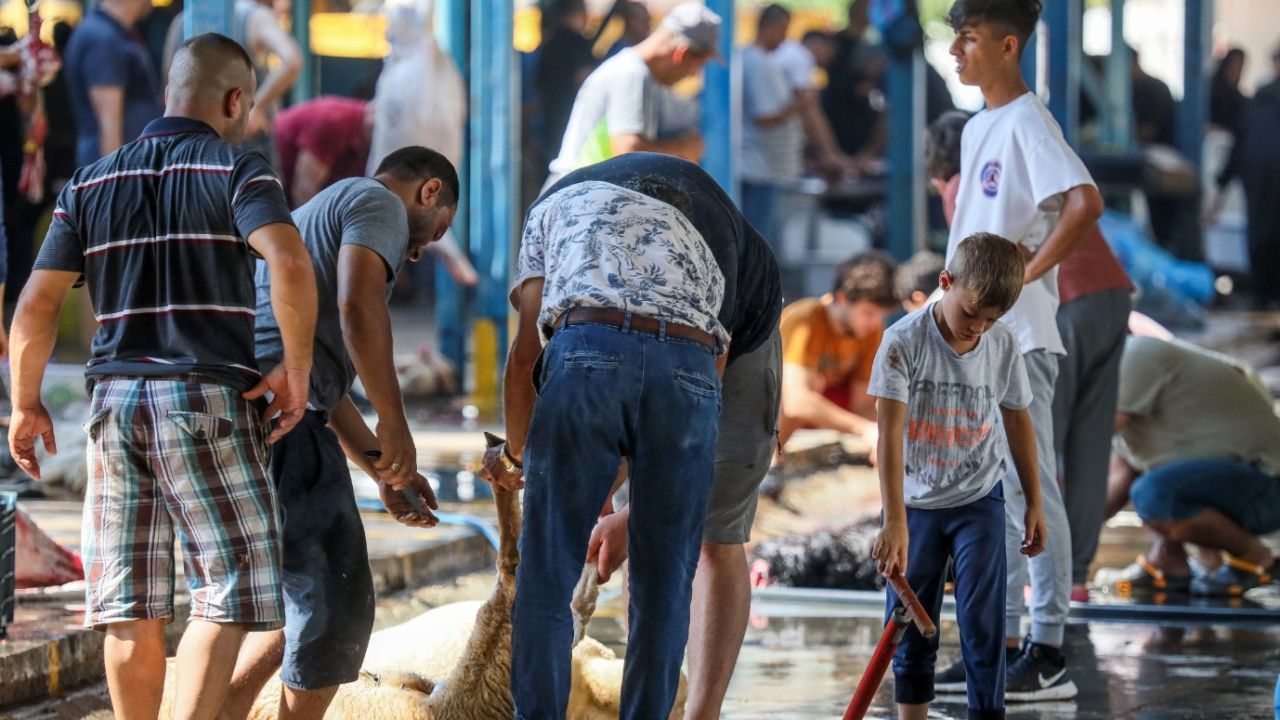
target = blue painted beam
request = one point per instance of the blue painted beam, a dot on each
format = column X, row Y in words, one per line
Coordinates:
column 719, row 119
column 450, row 298
column 202, row 16
column 305, row 87
column 1193, row 111
column 1117, row 122
column 1031, row 62
column 495, row 160
column 905, row 189
column 1063, row 22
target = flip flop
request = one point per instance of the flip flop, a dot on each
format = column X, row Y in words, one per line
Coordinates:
column 1142, row 577
column 1232, row 579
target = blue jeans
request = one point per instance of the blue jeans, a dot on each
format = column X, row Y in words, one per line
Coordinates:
column 972, row 535
column 606, row 393
column 1182, row 489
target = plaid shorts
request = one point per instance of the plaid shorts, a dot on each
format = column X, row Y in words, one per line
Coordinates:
column 180, row 454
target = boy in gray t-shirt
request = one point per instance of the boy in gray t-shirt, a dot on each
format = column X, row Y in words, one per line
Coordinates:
column 946, row 378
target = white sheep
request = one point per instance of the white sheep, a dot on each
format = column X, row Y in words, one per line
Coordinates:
column 469, row 644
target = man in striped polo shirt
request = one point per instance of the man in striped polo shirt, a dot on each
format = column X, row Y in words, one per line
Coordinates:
column 164, row 231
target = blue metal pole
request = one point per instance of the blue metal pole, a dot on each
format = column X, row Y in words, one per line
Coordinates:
column 305, row 87
column 1117, row 123
column 202, row 16
column 1031, row 62
column 451, row 320
column 494, row 159
column 905, row 85
column 1064, row 20
column 719, row 119
column 1193, row 111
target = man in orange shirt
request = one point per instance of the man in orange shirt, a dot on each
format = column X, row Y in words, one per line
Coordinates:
column 828, row 345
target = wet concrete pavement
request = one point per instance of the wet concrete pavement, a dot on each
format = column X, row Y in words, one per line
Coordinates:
column 793, row 666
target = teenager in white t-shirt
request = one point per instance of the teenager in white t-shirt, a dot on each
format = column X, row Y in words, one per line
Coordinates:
column 1020, row 180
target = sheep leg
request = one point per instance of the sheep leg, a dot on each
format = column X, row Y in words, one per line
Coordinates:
column 583, row 604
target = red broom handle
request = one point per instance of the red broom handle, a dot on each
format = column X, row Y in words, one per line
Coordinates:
column 909, row 601
column 874, row 673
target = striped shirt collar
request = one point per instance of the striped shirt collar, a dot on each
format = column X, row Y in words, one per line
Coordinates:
column 175, row 125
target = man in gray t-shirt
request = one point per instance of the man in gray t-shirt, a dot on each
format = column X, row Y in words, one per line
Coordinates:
column 358, row 232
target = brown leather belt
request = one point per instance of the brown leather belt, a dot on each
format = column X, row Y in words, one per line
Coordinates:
column 639, row 323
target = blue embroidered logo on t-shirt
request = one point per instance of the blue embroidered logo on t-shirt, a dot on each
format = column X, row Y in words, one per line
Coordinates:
column 991, row 178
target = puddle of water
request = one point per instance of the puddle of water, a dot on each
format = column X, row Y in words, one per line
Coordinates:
column 808, row 667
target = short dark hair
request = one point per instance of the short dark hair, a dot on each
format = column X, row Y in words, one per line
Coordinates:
column 419, row 163
column 663, row 190
column 1014, row 17
column 812, row 35
column 991, row 267
column 942, row 144
column 773, row 14
column 867, row 276
column 919, row 274
column 215, row 46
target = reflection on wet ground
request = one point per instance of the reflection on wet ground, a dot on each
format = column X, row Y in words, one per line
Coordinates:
column 807, row 667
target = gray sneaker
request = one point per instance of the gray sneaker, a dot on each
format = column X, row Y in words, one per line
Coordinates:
column 1039, row 673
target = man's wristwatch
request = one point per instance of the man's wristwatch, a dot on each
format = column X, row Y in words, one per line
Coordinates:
column 510, row 465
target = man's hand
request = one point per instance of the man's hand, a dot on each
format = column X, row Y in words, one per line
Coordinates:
column 403, row 509
column 289, row 387
column 494, row 469
column 608, row 546
column 1037, row 535
column 397, row 466
column 891, row 548
column 25, row 426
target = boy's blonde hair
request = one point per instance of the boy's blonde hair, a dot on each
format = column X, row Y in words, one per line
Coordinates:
column 989, row 266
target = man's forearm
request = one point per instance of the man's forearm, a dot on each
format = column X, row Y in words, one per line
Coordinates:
column 110, row 136
column 293, row 300
column 518, row 398
column 353, row 434
column 1081, row 209
column 367, row 333
column 33, row 334
column 276, row 84
column 813, row 408
column 1022, row 446
column 689, row 147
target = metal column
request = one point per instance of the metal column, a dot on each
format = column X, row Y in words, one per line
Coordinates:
column 905, row 191
column 720, row 118
column 1031, row 61
column 305, row 87
column 450, row 298
column 1117, row 125
column 1193, row 111
column 1064, row 20
column 495, row 160
column 202, row 16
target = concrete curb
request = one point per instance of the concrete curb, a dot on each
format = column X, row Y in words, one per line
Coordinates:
column 44, row 663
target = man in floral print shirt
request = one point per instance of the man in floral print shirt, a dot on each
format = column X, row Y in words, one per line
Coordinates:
column 625, row 295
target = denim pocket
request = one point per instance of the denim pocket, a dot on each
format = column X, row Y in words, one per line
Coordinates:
column 697, row 383
column 201, row 426
column 591, row 359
